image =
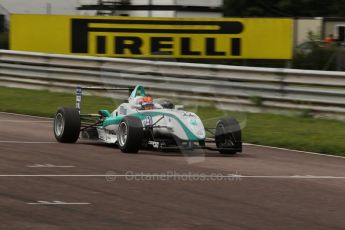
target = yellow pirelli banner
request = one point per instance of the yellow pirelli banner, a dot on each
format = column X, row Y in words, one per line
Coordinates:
column 226, row 38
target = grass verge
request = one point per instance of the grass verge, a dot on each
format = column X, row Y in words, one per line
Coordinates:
column 293, row 132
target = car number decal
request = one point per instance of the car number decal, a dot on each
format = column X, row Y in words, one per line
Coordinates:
column 148, row 121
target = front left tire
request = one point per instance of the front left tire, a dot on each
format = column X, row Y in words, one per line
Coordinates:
column 67, row 125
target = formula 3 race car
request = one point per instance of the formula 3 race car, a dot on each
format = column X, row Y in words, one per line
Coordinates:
column 144, row 123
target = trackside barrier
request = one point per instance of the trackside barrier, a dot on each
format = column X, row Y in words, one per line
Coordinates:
column 229, row 87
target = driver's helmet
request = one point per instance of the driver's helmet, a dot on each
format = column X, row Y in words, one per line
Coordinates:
column 146, row 103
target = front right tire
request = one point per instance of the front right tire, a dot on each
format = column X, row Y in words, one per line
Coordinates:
column 130, row 134
column 228, row 136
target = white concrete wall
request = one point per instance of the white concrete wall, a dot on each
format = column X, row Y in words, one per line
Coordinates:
column 68, row 7
column 331, row 28
column 40, row 6
column 172, row 14
column 134, row 13
column 168, row 14
column 212, row 3
column 304, row 26
column 153, row 2
column 139, row 13
column 198, row 15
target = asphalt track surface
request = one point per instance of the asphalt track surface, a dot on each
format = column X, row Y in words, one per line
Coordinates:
column 47, row 185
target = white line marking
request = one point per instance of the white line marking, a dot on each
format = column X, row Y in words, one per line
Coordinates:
column 191, row 176
column 40, row 202
column 24, row 115
column 29, row 142
column 21, row 121
column 49, row 166
column 292, row 150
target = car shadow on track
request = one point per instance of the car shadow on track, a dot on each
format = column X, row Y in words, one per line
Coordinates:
column 171, row 153
column 188, row 154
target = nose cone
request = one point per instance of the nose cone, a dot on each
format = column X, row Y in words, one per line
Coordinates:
column 195, row 125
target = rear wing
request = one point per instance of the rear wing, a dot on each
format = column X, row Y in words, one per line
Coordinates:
column 79, row 93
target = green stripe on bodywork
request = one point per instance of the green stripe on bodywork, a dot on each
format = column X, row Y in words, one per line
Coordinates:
column 142, row 116
column 112, row 121
column 187, row 131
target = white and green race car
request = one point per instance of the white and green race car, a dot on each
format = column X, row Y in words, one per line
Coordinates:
column 144, row 123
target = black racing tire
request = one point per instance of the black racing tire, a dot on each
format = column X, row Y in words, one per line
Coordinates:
column 228, row 134
column 130, row 134
column 67, row 125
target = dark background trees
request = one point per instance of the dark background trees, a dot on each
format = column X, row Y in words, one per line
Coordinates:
column 284, row 8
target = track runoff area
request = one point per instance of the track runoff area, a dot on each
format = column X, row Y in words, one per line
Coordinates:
column 48, row 185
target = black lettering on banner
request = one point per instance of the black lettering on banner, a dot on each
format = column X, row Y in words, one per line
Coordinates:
column 236, row 47
column 101, row 45
column 211, row 48
column 160, row 43
column 186, row 48
column 82, row 28
column 133, row 44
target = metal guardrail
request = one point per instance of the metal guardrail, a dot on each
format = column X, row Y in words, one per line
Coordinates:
column 229, row 87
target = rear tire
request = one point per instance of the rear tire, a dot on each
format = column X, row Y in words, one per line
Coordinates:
column 228, row 135
column 130, row 134
column 67, row 125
